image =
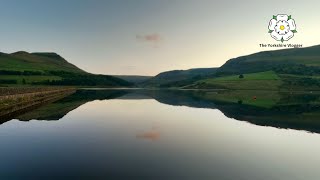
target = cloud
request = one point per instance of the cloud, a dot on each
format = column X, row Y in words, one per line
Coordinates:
column 154, row 38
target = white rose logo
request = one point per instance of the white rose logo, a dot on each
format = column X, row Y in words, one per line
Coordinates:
column 282, row 27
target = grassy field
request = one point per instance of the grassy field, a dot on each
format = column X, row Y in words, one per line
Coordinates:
column 268, row 75
column 255, row 81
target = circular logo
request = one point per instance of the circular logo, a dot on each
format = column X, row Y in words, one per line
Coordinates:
column 282, row 27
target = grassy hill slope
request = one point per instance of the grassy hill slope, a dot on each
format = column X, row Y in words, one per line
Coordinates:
column 179, row 77
column 23, row 68
column 43, row 62
column 287, row 69
column 267, row 80
column 280, row 60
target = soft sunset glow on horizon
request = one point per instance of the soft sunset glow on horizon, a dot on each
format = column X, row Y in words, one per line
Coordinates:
column 148, row 37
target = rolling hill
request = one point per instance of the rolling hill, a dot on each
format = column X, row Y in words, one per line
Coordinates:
column 267, row 80
column 303, row 58
column 296, row 68
column 23, row 68
column 42, row 62
column 178, row 77
column 286, row 69
column 136, row 79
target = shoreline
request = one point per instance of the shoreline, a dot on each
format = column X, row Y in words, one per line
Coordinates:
column 16, row 101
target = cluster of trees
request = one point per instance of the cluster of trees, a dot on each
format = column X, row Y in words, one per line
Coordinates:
column 35, row 73
column 70, row 79
column 280, row 68
column 304, row 82
column 11, row 81
column 64, row 74
column 297, row 69
column 22, row 73
column 8, row 81
column 239, row 66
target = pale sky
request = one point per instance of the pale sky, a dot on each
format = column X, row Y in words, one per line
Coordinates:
column 146, row 37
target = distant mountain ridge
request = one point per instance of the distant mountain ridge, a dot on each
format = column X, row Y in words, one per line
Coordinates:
column 133, row 78
column 170, row 78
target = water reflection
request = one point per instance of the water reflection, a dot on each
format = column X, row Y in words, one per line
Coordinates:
column 150, row 135
column 188, row 135
column 299, row 110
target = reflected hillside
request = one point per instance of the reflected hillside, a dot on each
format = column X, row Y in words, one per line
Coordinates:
column 194, row 99
column 299, row 110
column 58, row 109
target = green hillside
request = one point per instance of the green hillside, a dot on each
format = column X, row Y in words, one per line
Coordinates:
column 268, row 80
column 291, row 61
column 179, row 77
column 267, row 75
column 23, row 68
column 40, row 62
column 287, row 69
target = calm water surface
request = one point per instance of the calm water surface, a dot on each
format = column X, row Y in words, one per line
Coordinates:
column 136, row 136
